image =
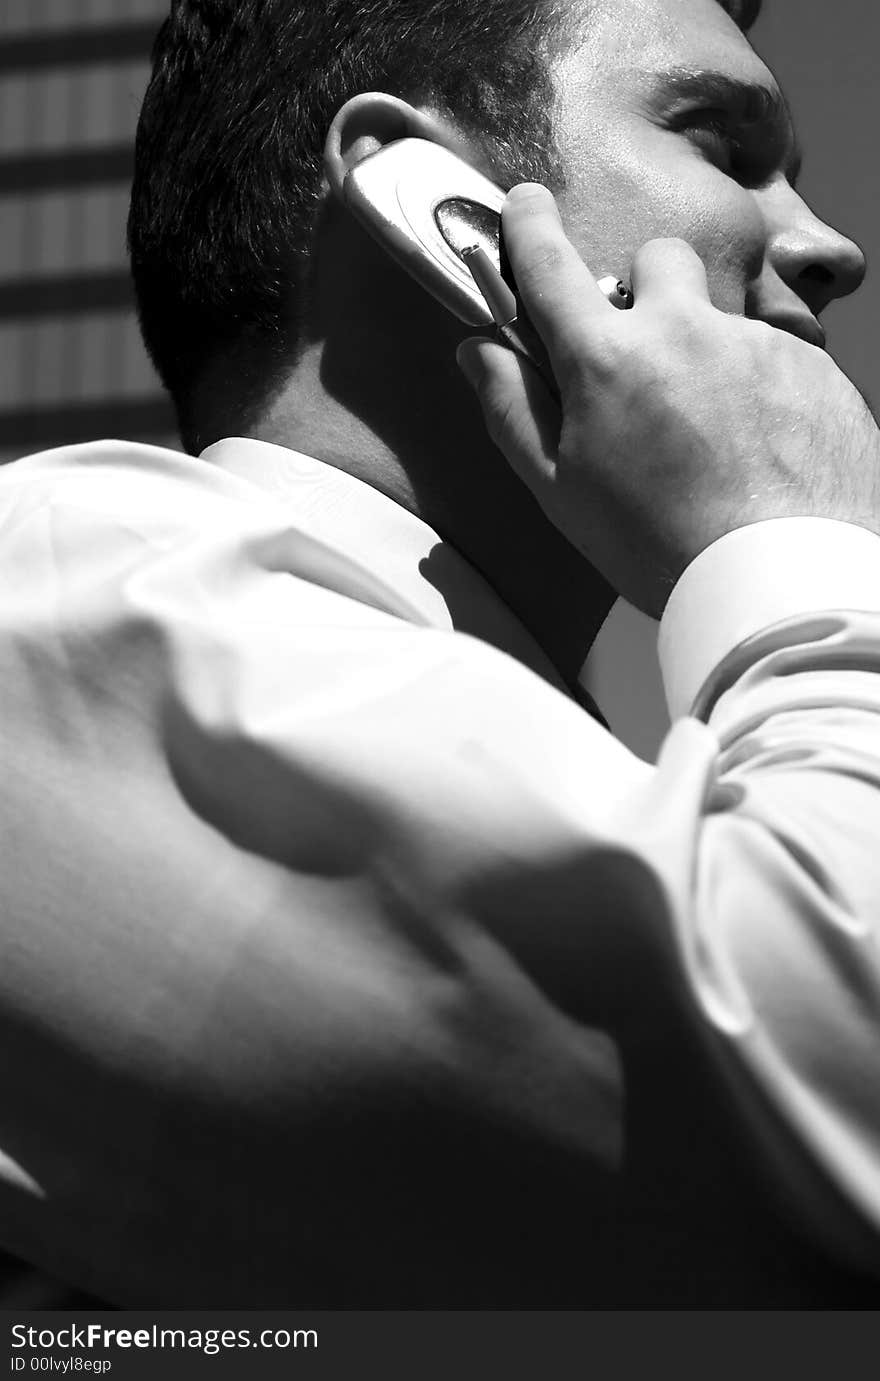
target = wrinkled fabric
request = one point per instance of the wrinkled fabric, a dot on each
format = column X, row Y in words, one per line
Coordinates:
column 339, row 943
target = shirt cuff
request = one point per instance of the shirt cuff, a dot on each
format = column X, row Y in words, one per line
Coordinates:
column 753, row 578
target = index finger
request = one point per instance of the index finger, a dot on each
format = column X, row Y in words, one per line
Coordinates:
column 553, row 283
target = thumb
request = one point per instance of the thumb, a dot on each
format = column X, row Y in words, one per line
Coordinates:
column 521, row 416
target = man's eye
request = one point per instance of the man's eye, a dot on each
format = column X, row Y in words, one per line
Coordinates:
column 743, row 151
column 720, row 142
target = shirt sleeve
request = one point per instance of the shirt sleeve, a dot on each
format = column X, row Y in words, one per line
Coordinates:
column 325, row 932
column 771, row 640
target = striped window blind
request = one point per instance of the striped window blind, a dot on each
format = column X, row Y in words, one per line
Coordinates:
column 40, row 16
column 72, row 365
column 85, row 107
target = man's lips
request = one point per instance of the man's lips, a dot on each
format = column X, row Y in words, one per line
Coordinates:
column 797, row 324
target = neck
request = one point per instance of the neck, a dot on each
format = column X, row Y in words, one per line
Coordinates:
column 376, row 392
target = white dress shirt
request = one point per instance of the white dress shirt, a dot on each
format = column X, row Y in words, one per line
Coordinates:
column 324, row 904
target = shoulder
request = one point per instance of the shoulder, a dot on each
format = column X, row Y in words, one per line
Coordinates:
column 111, row 478
column 80, row 524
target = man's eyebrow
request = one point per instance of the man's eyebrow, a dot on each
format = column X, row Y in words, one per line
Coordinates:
column 752, row 102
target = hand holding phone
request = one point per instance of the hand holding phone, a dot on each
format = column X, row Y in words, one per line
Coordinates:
column 440, row 219
column 678, row 424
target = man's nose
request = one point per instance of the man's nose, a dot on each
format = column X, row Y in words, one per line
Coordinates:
column 815, row 260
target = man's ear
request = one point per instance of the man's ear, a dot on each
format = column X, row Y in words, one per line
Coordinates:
column 372, row 119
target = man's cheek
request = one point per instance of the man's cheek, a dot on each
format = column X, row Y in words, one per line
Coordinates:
column 721, row 222
column 612, row 208
column 733, row 249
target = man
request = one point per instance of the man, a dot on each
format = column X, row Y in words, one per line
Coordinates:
column 348, row 960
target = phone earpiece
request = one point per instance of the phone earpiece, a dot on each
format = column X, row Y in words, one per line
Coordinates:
column 464, row 223
column 425, row 205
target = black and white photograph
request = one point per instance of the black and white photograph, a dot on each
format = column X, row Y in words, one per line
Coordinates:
column 439, row 667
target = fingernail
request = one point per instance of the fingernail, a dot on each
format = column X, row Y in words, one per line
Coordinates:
column 523, row 191
column 471, row 364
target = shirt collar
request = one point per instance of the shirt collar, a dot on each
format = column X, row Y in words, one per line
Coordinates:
column 437, row 585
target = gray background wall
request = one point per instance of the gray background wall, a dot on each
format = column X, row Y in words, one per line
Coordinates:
column 826, row 59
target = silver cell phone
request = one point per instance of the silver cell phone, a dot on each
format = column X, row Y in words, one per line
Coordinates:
column 427, row 208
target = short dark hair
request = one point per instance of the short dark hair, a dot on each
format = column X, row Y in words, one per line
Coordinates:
column 228, row 157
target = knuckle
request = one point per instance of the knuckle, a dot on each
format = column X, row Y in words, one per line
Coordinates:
column 684, row 323
column 545, row 258
column 585, row 369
